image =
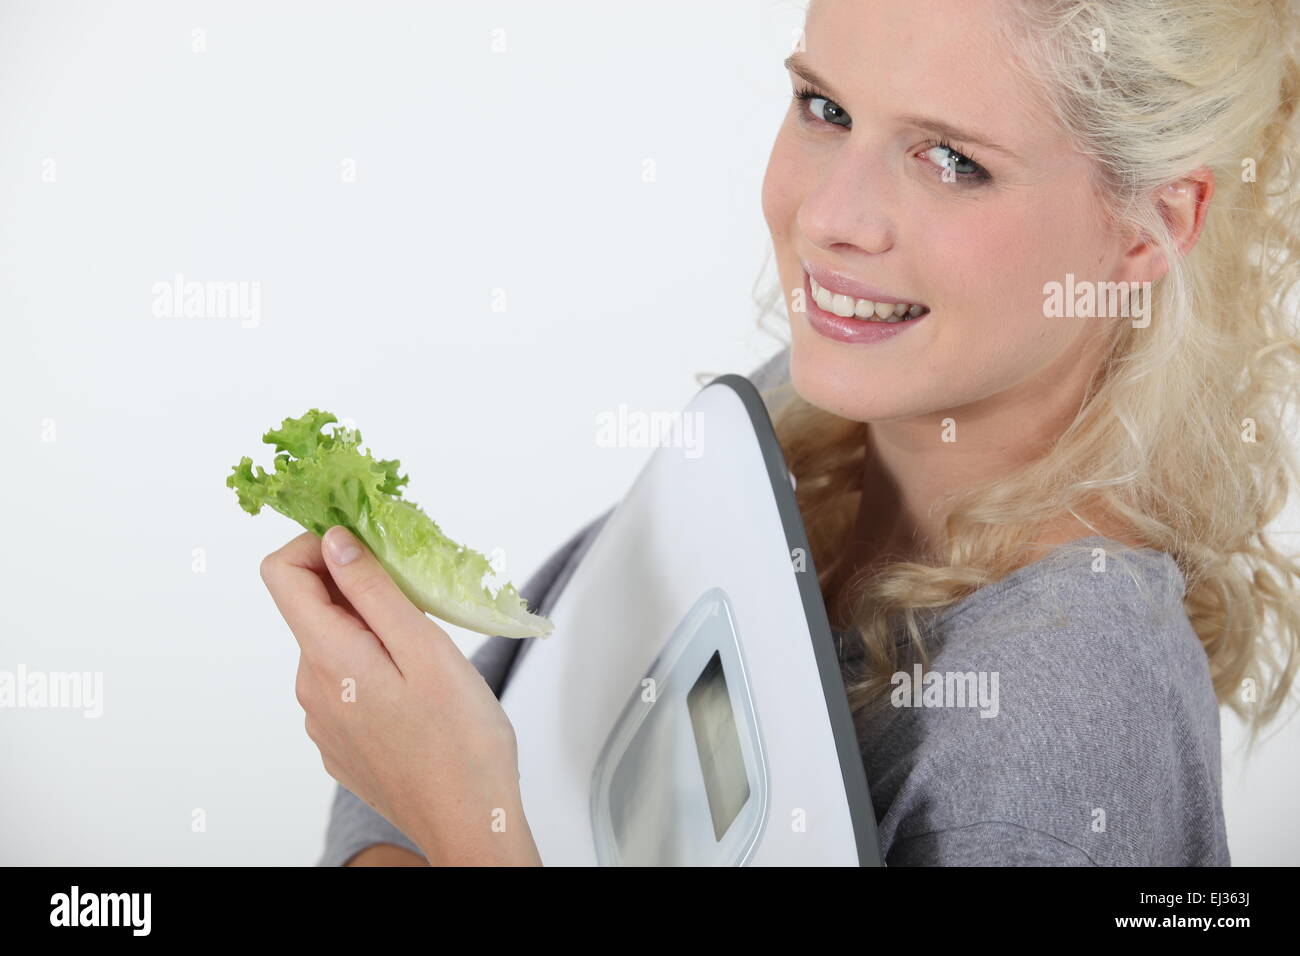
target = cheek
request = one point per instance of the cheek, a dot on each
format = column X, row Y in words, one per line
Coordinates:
column 783, row 184
column 986, row 286
column 784, row 187
column 994, row 267
column 990, row 261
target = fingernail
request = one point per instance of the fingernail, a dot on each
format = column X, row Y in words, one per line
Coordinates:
column 342, row 546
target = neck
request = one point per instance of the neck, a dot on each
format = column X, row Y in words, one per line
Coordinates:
column 910, row 465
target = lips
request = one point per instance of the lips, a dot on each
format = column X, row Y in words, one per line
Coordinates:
column 853, row 331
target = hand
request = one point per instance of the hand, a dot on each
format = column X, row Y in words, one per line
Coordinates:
column 401, row 718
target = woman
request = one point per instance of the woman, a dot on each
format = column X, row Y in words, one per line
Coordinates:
column 1033, row 256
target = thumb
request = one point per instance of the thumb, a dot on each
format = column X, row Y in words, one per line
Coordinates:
column 389, row 613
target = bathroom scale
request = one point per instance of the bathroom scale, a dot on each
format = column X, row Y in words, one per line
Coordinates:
column 688, row 707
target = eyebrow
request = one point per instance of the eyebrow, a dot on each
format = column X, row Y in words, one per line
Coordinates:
column 795, row 64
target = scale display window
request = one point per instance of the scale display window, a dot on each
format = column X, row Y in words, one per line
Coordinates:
column 682, row 779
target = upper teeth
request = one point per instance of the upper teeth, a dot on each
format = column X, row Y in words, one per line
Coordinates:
column 846, row 306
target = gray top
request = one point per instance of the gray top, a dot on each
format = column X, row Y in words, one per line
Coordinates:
column 1102, row 742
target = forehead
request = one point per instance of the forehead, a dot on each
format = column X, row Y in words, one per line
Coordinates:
column 944, row 59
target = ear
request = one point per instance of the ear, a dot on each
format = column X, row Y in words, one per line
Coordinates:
column 1182, row 205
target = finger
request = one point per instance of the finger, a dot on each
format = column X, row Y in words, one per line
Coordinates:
column 389, row 613
column 295, row 575
column 309, row 545
column 335, row 594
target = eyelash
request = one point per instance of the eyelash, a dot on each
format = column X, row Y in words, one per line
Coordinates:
column 978, row 177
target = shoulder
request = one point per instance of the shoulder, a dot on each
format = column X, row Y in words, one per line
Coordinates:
column 1088, row 615
column 1070, row 742
column 773, row 371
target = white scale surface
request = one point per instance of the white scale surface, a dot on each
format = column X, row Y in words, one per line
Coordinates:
column 677, row 714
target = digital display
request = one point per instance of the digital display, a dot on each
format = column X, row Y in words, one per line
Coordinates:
column 717, row 742
column 681, row 779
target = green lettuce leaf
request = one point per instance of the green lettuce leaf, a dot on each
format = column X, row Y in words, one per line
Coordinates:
column 322, row 480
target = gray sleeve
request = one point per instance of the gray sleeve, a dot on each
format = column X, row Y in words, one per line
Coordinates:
column 986, row 844
column 1087, row 733
column 353, row 826
column 353, row 823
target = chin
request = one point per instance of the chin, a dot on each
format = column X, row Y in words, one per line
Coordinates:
column 831, row 383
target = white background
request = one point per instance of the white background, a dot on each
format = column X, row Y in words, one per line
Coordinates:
column 523, row 170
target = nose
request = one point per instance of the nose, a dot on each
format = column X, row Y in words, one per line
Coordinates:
column 850, row 206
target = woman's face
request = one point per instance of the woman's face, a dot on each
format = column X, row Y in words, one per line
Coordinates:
column 856, row 185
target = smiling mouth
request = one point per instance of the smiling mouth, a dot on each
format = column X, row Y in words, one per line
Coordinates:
column 847, row 307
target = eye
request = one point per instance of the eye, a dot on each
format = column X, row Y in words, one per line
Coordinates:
column 831, row 112
column 955, row 166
